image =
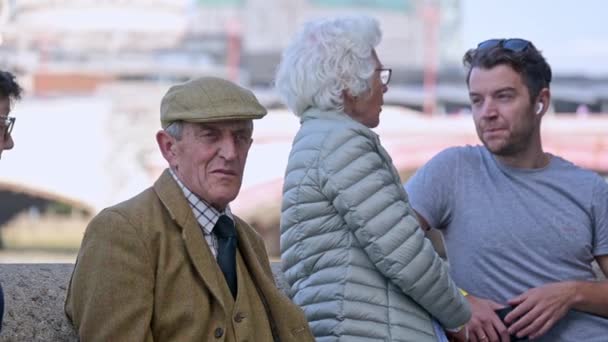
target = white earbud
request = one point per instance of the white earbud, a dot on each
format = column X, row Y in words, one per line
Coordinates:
column 539, row 108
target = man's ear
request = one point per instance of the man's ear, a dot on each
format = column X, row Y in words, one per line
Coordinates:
column 167, row 146
column 544, row 99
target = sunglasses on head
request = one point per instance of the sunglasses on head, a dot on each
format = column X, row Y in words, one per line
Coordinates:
column 513, row 44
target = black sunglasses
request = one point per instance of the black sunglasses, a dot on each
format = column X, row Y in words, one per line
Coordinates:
column 513, row 44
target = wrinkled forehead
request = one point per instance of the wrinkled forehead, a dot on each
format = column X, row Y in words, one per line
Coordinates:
column 232, row 125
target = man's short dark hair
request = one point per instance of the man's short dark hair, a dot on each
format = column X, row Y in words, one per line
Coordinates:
column 527, row 61
column 9, row 86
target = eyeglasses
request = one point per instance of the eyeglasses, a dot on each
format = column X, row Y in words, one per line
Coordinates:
column 513, row 44
column 8, row 122
column 385, row 75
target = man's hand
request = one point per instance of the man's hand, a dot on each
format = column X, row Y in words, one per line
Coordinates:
column 538, row 309
column 485, row 325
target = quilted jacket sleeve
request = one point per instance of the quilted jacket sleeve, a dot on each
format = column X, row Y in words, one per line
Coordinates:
column 358, row 177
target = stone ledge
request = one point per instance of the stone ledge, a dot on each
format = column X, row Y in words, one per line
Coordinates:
column 34, row 295
column 33, row 302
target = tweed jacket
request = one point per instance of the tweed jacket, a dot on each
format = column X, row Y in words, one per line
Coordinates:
column 145, row 273
column 352, row 250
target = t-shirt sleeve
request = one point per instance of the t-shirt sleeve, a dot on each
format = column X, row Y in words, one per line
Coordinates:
column 431, row 188
column 600, row 214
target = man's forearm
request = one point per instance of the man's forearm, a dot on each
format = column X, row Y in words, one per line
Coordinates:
column 591, row 297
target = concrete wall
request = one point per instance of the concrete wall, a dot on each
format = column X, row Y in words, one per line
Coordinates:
column 33, row 302
column 34, row 295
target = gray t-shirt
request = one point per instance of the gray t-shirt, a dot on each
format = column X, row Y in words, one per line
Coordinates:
column 507, row 230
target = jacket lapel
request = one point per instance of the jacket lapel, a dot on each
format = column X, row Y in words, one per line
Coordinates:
column 252, row 259
column 264, row 286
column 285, row 318
column 173, row 199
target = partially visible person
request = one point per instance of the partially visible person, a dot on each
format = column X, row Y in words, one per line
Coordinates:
column 174, row 263
column 521, row 226
column 352, row 250
column 10, row 91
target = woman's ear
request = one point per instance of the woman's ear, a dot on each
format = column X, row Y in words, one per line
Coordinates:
column 349, row 101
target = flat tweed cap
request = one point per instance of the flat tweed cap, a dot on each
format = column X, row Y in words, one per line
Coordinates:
column 209, row 99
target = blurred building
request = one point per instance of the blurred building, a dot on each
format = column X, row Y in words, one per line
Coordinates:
column 78, row 46
column 414, row 31
column 95, row 71
column 164, row 39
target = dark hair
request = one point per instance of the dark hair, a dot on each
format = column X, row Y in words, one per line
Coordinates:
column 526, row 61
column 9, row 86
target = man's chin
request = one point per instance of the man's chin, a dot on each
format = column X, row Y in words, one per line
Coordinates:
column 502, row 151
column 224, row 198
column 496, row 149
column 220, row 203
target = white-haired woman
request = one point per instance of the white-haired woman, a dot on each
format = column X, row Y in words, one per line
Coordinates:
column 352, row 250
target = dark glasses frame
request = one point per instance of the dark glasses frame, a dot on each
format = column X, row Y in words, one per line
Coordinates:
column 9, row 123
column 385, row 75
column 512, row 44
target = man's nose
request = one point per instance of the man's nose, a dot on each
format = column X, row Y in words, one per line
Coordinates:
column 228, row 148
column 488, row 110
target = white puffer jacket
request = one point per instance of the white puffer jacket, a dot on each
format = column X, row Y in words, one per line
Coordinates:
column 352, row 250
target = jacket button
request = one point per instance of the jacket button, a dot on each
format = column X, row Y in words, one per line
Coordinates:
column 239, row 317
column 219, row 332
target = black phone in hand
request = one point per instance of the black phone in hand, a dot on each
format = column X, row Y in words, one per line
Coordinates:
column 502, row 313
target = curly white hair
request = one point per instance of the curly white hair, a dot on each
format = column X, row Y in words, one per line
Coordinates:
column 325, row 58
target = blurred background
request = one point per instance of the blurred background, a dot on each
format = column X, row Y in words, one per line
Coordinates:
column 94, row 72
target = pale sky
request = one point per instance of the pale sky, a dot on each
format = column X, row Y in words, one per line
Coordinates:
column 573, row 35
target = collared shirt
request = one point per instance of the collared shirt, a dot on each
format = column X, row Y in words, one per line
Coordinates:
column 205, row 215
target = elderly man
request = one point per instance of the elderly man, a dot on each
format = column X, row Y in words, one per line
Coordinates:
column 173, row 263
